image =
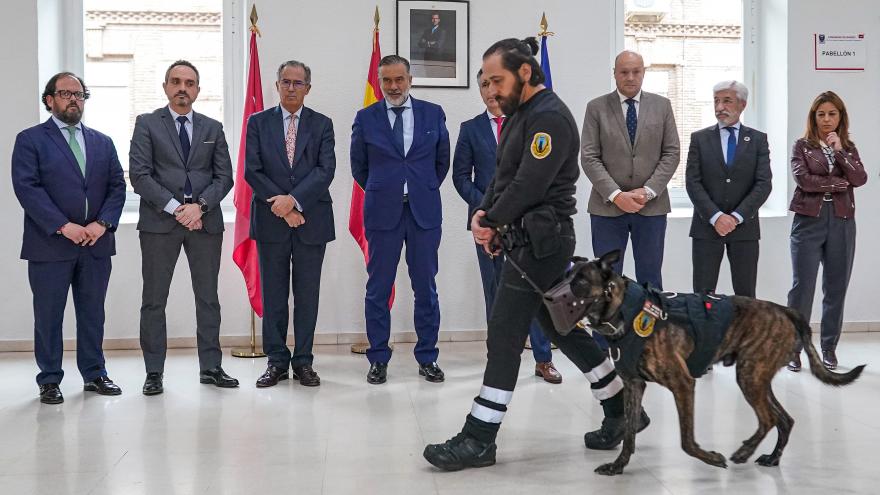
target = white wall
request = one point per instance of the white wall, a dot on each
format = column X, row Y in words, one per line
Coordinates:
column 334, row 39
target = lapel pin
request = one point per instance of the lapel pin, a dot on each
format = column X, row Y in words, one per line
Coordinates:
column 747, row 139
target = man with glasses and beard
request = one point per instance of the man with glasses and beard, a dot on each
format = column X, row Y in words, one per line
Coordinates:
column 531, row 199
column 69, row 182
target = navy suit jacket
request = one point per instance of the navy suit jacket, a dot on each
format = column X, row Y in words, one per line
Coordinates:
column 308, row 181
column 474, row 164
column 52, row 190
column 381, row 168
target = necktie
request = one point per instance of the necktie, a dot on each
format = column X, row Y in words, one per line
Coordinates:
column 731, row 145
column 397, row 128
column 290, row 139
column 499, row 121
column 78, row 154
column 631, row 121
column 185, row 146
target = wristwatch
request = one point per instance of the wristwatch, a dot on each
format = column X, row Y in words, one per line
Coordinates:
column 106, row 225
column 203, row 205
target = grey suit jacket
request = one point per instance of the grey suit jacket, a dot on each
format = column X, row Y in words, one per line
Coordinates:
column 611, row 162
column 158, row 172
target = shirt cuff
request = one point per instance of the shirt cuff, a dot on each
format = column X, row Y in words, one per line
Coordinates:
column 739, row 218
column 614, row 195
column 714, row 218
column 172, row 205
column 651, row 193
column 296, row 203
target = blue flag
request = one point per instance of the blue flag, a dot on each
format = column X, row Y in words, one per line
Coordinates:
column 545, row 63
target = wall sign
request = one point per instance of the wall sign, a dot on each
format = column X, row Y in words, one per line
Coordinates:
column 839, row 52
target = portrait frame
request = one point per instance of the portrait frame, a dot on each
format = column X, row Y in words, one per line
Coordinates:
column 435, row 37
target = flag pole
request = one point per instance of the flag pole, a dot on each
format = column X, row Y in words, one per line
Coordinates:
column 252, row 351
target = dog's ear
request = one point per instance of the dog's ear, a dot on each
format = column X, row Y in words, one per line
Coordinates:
column 608, row 259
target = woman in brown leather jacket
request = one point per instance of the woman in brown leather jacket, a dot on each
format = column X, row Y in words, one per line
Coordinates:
column 826, row 168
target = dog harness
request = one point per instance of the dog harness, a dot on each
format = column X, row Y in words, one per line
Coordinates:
column 645, row 310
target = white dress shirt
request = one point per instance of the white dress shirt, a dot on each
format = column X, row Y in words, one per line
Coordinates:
column 724, row 135
column 494, row 125
column 173, row 204
column 624, row 107
column 408, row 127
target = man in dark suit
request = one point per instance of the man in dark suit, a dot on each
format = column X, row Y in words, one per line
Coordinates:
column 179, row 164
column 69, row 182
column 433, row 39
column 400, row 156
column 290, row 164
column 728, row 179
column 472, row 170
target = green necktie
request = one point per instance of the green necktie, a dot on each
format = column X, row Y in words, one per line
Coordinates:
column 78, row 154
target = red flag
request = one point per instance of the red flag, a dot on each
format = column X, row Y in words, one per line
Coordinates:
column 244, row 251
column 372, row 94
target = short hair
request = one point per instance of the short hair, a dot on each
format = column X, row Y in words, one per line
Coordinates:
column 812, row 132
column 516, row 52
column 184, row 63
column 52, row 85
column 742, row 92
column 295, row 63
column 479, row 73
column 393, row 60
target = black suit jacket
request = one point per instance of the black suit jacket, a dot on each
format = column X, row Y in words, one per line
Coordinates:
column 713, row 186
column 268, row 173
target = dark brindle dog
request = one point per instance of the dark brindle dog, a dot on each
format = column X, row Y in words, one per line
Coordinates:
column 759, row 339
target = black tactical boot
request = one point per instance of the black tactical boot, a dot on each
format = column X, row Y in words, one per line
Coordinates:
column 473, row 447
column 611, row 433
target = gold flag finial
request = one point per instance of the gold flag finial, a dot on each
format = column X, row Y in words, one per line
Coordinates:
column 544, row 31
column 253, row 19
column 376, row 18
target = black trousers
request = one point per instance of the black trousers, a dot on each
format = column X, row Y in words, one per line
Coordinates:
column 285, row 266
column 831, row 242
column 743, row 257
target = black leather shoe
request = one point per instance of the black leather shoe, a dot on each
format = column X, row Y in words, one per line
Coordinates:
column 218, row 377
column 611, row 433
column 153, row 383
column 50, row 394
column 829, row 359
column 431, row 372
column 460, row 452
column 378, row 373
column 102, row 385
column 795, row 363
column 272, row 376
column 307, row 376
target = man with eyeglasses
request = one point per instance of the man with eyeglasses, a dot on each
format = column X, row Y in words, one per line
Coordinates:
column 70, row 184
column 290, row 162
column 179, row 165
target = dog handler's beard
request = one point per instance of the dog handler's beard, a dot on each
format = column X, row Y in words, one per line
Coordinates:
column 510, row 103
column 70, row 115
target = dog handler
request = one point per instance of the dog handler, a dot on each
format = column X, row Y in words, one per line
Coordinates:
column 531, row 199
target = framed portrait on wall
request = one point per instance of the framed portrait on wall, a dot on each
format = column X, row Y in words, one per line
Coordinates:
column 435, row 38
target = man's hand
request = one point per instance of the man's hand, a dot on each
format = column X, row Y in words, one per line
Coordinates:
column 197, row 225
column 725, row 224
column 94, row 231
column 640, row 195
column 627, row 201
column 482, row 235
column 281, row 204
column 76, row 233
column 833, row 140
column 187, row 214
column 294, row 219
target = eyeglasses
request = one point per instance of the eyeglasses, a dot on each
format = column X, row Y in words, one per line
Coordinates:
column 287, row 83
column 66, row 95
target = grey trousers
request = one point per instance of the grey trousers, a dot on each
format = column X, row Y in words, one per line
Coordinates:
column 831, row 241
column 159, row 254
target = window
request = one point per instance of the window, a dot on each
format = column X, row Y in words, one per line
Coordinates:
column 129, row 45
column 688, row 46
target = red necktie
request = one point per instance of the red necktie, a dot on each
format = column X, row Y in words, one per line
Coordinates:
column 499, row 122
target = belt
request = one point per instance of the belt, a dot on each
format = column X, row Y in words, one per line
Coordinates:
column 828, row 197
column 188, row 201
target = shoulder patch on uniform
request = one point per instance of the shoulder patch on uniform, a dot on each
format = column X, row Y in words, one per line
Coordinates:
column 541, row 145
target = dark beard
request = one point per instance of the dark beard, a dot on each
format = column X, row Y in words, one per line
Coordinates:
column 70, row 116
column 510, row 103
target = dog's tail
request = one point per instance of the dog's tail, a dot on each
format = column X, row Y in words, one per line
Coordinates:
column 804, row 333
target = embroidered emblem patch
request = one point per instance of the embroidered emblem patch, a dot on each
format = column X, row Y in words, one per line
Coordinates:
column 541, row 145
column 643, row 324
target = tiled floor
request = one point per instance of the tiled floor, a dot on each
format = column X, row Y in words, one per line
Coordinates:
column 349, row 437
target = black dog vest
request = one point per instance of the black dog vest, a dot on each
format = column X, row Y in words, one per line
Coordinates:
column 705, row 317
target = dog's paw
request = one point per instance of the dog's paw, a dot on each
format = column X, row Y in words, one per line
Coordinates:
column 739, row 457
column 716, row 459
column 767, row 460
column 610, row 469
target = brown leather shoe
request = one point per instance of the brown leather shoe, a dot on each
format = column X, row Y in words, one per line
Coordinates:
column 548, row 372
